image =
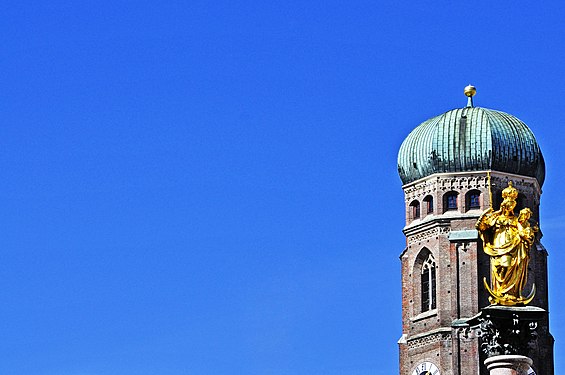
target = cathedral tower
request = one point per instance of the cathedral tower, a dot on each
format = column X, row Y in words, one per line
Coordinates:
column 453, row 167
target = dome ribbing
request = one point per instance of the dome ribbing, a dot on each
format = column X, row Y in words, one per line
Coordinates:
column 470, row 139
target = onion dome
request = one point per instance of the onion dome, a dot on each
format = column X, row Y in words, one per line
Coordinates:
column 470, row 139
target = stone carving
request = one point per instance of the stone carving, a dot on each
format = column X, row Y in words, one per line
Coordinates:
column 445, row 183
column 427, row 340
column 500, row 336
column 422, row 236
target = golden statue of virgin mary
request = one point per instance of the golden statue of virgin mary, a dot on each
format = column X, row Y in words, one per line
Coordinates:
column 507, row 239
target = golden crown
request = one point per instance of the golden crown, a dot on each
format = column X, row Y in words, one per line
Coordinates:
column 510, row 192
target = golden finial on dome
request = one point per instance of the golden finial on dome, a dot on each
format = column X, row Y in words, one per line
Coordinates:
column 470, row 91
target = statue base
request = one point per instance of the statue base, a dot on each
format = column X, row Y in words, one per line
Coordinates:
column 505, row 330
column 508, row 365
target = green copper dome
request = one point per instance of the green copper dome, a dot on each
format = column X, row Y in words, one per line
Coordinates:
column 470, row 139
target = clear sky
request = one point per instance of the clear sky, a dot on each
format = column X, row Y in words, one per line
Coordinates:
column 210, row 187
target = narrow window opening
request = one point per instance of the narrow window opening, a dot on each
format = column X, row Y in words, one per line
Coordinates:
column 452, row 201
column 415, row 210
column 429, row 204
column 428, row 284
column 474, row 200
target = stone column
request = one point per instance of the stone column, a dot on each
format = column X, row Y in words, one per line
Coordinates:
column 508, row 365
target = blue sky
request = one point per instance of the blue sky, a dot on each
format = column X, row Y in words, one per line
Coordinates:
column 211, row 187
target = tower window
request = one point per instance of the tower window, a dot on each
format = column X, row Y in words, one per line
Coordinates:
column 474, row 201
column 429, row 204
column 450, row 202
column 428, row 278
column 415, row 210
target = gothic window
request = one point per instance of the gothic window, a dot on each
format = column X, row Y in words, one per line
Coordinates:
column 428, row 284
column 415, row 210
column 450, row 201
column 429, row 200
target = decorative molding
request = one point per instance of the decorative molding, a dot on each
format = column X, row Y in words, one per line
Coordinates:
column 446, row 182
column 519, row 182
column 464, row 181
column 428, row 340
column 459, row 183
column 433, row 232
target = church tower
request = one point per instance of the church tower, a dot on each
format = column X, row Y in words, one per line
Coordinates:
column 454, row 167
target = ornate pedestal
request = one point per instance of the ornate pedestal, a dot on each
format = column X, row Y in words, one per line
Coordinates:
column 506, row 330
column 507, row 336
column 508, row 365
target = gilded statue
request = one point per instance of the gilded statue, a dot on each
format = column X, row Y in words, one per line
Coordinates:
column 507, row 239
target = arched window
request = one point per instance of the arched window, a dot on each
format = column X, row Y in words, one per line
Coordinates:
column 497, row 199
column 429, row 203
column 473, row 200
column 450, row 201
column 428, row 284
column 520, row 202
column 415, row 210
